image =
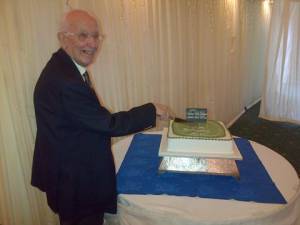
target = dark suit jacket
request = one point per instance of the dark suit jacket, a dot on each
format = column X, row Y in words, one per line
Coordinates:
column 73, row 162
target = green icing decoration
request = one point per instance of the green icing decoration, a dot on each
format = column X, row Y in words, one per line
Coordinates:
column 209, row 129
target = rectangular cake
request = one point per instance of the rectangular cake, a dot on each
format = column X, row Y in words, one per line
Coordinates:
column 210, row 137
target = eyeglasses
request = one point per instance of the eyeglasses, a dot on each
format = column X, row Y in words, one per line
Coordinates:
column 83, row 36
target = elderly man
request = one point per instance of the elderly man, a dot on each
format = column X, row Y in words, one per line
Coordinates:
column 73, row 162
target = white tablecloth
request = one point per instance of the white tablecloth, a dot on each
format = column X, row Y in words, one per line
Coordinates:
column 173, row 210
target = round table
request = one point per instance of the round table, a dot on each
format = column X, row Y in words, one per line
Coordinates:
column 173, row 210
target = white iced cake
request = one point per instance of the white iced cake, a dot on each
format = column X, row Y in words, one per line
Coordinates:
column 210, row 137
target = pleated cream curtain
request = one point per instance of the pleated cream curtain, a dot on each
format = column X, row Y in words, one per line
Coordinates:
column 183, row 53
column 281, row 98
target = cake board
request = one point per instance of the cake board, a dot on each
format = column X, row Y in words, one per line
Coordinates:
column 197, row 162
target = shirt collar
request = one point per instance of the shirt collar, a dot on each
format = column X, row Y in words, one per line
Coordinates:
column 81, row 69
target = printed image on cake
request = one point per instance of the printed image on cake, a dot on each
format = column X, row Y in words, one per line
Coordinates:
column 209, row 129
column 211, row 137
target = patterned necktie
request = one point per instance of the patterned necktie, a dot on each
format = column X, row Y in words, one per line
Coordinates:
column 87, row 79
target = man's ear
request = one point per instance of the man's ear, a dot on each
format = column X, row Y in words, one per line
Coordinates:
column 62, row 39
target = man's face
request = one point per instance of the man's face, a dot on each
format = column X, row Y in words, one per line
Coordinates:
column 82, row 40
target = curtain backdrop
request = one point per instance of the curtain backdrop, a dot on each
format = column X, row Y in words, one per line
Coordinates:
column 183, row 53
column 281, row 98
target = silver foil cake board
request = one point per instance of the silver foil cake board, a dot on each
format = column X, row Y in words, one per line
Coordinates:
column 163, row 151
column 224, row 167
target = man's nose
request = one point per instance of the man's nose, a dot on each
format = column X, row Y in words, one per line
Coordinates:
column 92, row 41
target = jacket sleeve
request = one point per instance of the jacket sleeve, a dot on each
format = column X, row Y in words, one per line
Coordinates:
column 84, row 110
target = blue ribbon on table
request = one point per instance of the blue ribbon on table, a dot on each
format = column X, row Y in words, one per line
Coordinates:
column 139, row 174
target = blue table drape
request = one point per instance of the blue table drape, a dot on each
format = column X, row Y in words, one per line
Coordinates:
column 139, row 174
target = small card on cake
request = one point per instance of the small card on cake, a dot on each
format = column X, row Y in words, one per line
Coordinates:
column 196, row 115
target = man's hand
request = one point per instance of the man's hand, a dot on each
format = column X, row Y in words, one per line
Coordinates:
column 163, row 111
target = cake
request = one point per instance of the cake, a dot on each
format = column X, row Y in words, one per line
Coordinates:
column 210, row 137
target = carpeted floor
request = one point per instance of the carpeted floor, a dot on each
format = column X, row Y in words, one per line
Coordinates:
column 283, row 138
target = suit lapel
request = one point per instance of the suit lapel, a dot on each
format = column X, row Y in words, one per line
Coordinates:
column 70, row 70
column 68, row 66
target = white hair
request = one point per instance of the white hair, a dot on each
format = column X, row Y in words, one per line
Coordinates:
column 64, row 24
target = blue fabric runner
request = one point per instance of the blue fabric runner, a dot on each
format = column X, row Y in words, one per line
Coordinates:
column 138, row 174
